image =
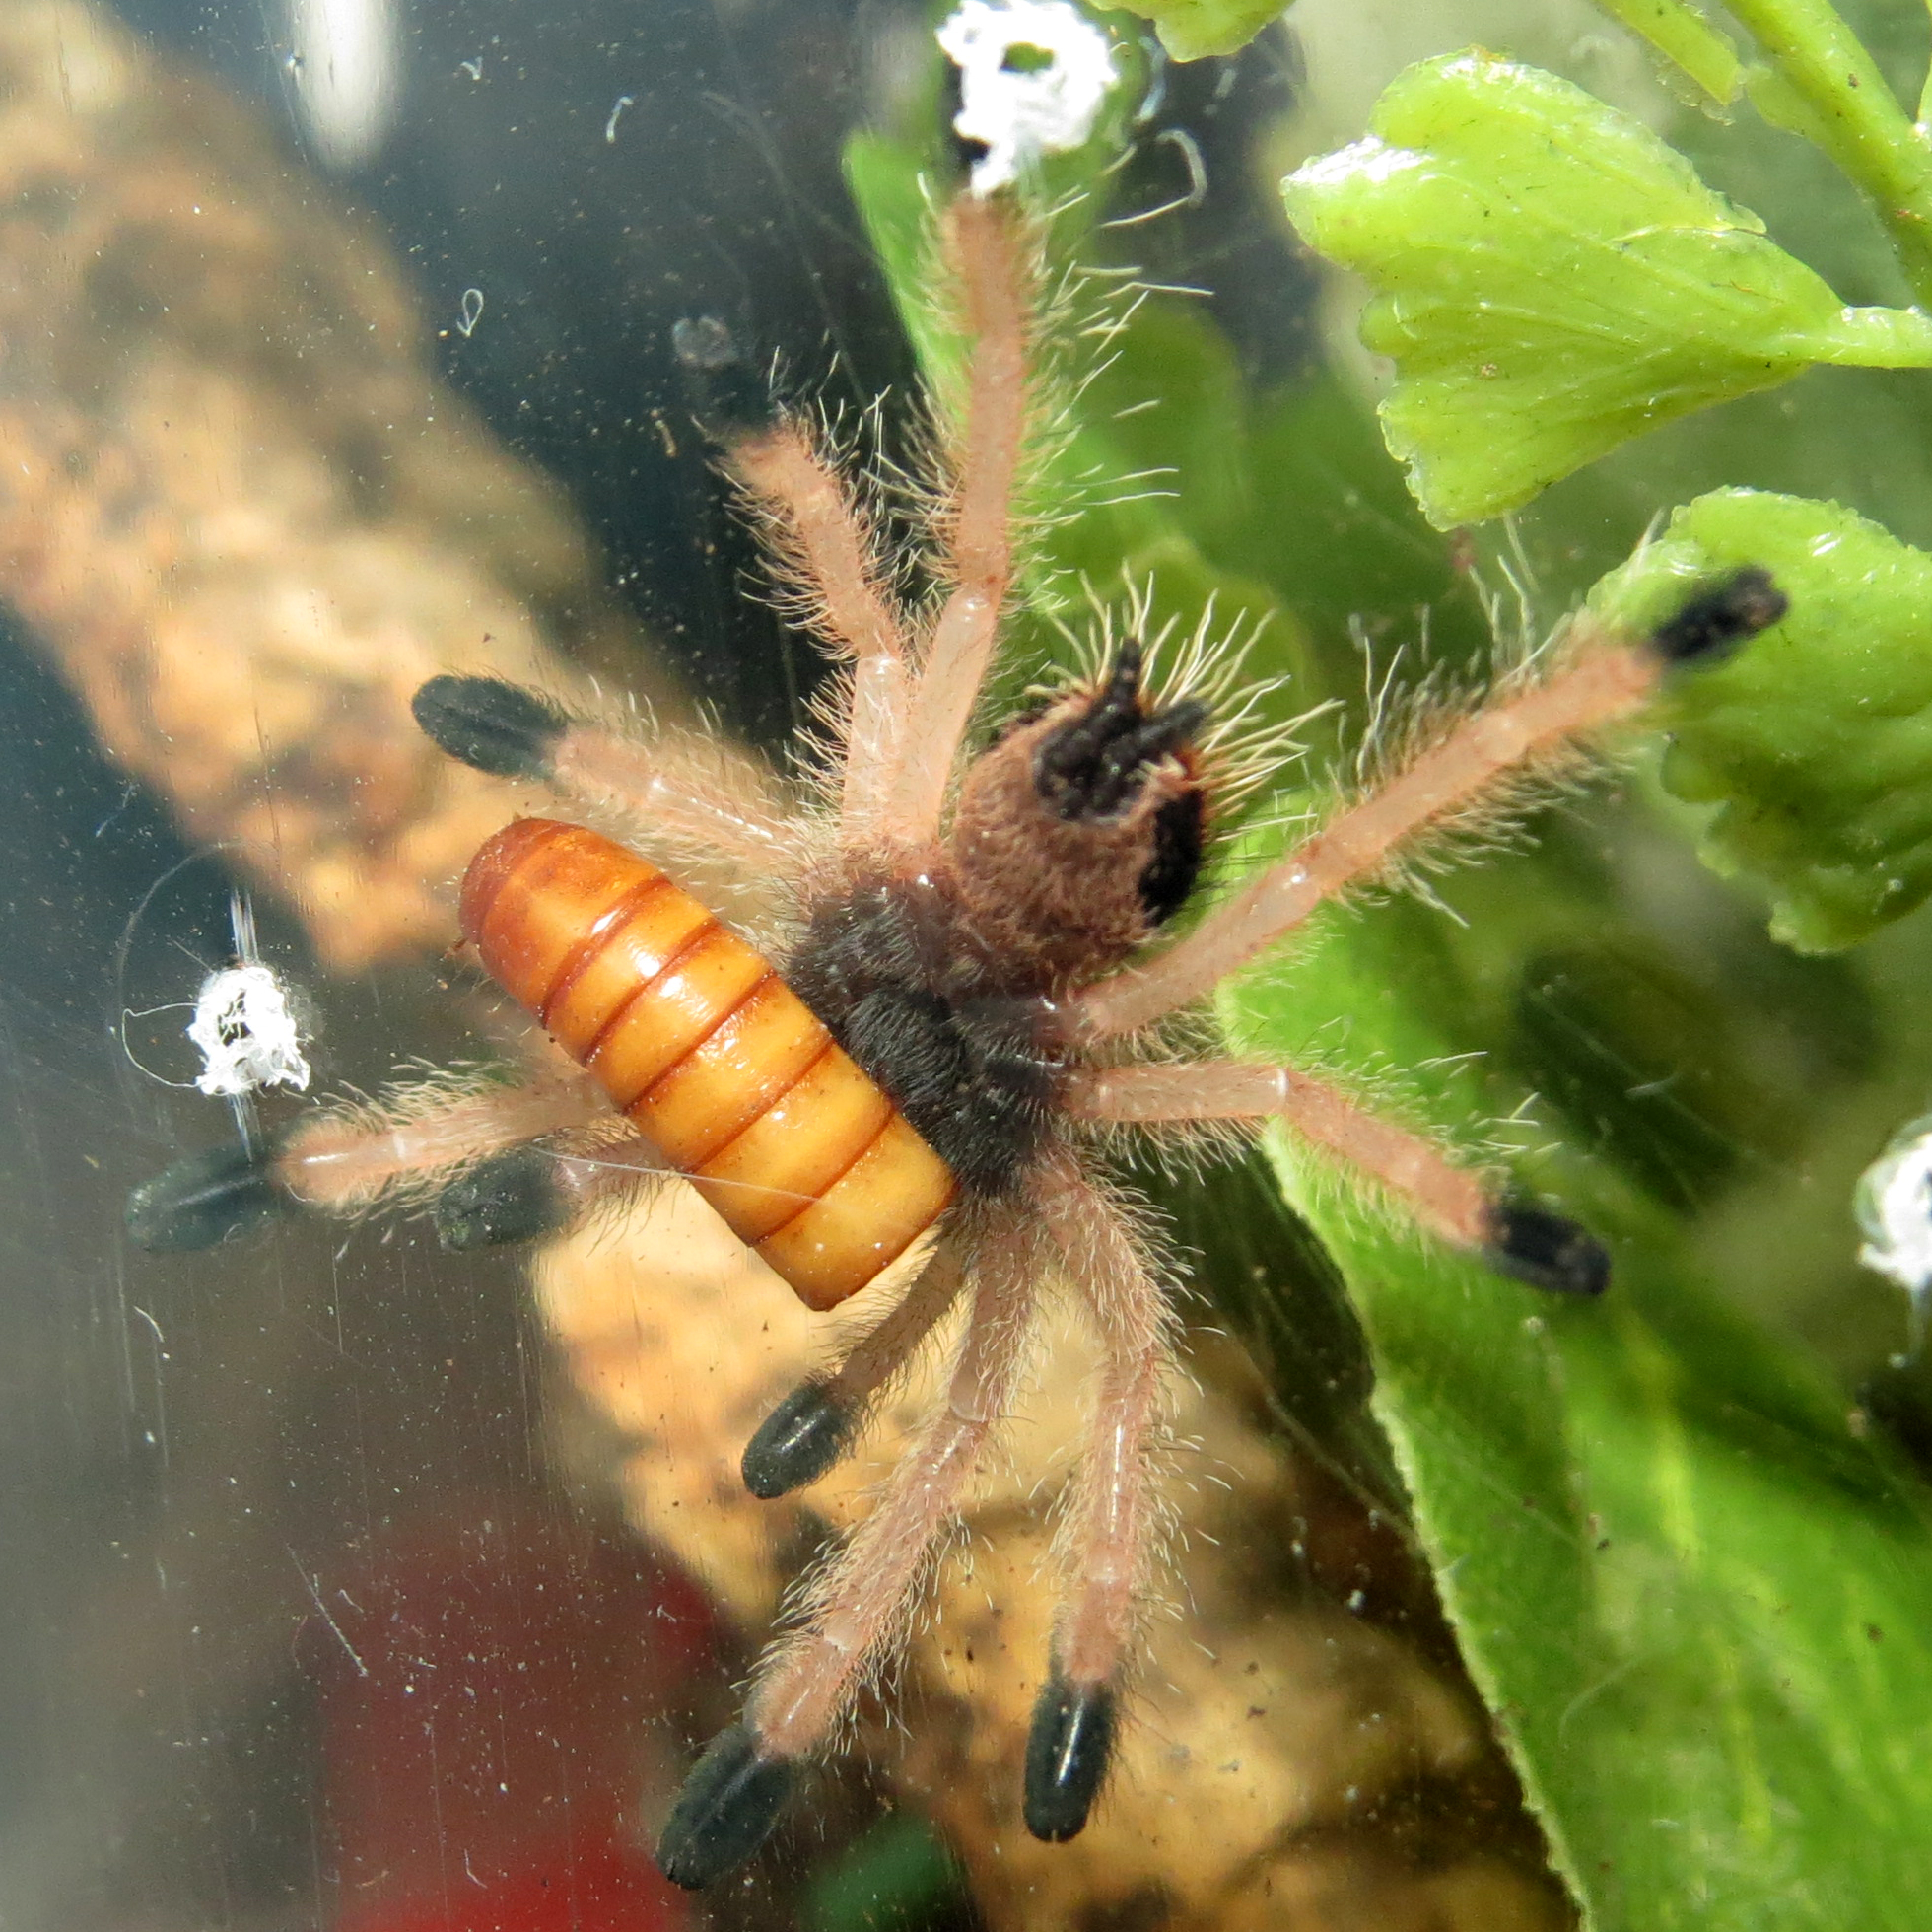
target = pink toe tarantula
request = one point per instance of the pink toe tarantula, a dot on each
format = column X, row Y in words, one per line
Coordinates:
column 989, row 937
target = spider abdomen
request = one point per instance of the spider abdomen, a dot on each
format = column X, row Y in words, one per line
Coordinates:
column 705, row 1049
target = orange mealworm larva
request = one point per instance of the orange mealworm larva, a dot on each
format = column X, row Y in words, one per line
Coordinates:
column 719, row 1064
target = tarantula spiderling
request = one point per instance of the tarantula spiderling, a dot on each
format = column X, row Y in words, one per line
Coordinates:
column 969, row 1008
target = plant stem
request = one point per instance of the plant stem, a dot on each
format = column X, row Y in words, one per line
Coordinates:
column 1855, row 118
column 1876, row 338
column 1682, row 36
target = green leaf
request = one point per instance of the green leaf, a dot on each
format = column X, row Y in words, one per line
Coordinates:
column 1551, row 279
column 1698, row 1606
column 1816, row 742
column 1192, row 28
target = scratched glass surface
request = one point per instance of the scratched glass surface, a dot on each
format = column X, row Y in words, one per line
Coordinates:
column 355, row 1583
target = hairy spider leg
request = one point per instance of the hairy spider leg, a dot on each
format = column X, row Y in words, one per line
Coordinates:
column 858, row 1603
column 353, row 1156
column 667, row 784
column 1524, row 1241
column 818, row 1422
column 658, row 784
column 1599, row 682
column 988, row 259
column 1112, row 1525
column 823, row 541
column 824, row 554
column 342, row 1160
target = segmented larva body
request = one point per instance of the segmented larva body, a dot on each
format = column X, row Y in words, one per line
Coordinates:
column 701, row 1044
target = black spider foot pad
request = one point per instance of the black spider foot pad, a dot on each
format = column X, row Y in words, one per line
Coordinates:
column 496, row 727
column 726, row 392
column 1068, row 1750
column 725, row 1810
column 205, row 1199
column 1546, row 1250
column 1720, row 617
column 512, row 1197
column 798, row 1443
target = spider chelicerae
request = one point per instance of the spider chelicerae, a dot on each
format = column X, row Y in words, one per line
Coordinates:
column 974, row 999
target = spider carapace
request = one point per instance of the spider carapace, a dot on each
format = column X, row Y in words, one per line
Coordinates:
column 973, row 1000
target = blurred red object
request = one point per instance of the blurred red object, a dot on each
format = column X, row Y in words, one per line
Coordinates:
column 584, row 1889
column 489, row 1677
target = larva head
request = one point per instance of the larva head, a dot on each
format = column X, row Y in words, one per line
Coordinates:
column 1081, row 829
